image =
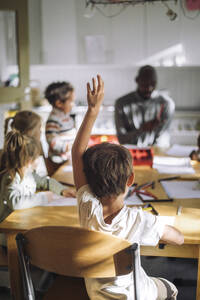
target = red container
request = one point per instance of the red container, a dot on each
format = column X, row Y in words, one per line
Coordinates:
column 100, row 138
column 142, row 156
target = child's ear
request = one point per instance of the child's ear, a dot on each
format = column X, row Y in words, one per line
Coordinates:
column 58, row 104
column 130, row 180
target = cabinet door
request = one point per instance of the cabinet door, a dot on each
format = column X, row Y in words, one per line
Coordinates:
column 14, row 46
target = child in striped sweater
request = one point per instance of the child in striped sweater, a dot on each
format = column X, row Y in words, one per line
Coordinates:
column 60, row 126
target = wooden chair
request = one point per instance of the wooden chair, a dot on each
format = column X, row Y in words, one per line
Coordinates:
column 51, row 166
column 3, row 259
column 74, row 252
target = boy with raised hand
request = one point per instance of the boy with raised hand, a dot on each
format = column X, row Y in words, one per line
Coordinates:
column 102, row 175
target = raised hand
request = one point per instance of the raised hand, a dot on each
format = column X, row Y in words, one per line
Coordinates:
column 96, row 95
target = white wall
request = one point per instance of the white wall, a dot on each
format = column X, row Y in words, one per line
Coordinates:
column 35, row 33
column 59, row 38
column 138, row 32
column 182, row 83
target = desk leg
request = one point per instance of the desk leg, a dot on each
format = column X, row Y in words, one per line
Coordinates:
column 198, row 276
column 14, row 271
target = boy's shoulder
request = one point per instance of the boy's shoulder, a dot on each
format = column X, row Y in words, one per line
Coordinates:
column 55, row 116
column 84, row 191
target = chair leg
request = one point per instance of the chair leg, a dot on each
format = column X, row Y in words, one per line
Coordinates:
column 45, row 281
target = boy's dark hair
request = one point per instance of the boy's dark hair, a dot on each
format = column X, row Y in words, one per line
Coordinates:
column 57, row 91
column 107, row 168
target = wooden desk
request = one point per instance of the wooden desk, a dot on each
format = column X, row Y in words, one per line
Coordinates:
column 22, row 220
column 64, row 174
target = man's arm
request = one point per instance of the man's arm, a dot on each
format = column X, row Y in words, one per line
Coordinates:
column 164, row 118
column 173, row 236
column 94, row 99
column 126, row 131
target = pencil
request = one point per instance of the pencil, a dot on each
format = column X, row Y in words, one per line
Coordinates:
column 154, row 210
column 159, row 200
column 168, row 178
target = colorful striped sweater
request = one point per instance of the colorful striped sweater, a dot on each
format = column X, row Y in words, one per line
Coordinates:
column 60, row 134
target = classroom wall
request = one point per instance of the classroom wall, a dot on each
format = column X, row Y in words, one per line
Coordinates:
column 136, row 33
column 59, row 52
column 35, row 31
column 182, row 84
column 59, row 38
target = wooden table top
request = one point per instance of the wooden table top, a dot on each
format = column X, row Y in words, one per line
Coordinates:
column 20, row 220
column 188, row 222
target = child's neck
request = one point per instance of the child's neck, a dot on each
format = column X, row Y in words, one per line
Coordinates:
column 111, row 207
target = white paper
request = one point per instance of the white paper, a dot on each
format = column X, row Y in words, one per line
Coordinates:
column 171, row 161
column 135, row 200
column 173, row 169
column 173, row 165
column 62, row 201
column 181, row 150
column 181, row 189
column 67, row 168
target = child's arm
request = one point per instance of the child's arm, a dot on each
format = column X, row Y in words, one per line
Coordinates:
column 173, row 236
column 94, row 99
column 50, row 184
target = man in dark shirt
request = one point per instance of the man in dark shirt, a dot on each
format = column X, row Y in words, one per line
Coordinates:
column 143, row 115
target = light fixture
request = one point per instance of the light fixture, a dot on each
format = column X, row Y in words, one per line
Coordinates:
column 107, row 2
column 170, row 13
column 91, row 4
column 89, row 10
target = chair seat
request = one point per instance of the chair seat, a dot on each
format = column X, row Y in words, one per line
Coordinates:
column 51, row 166
column 65, row 287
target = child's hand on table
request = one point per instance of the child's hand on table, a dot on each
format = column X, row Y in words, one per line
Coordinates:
column 68, row 193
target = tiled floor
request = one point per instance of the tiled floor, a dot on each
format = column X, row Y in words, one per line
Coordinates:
column 169, row 268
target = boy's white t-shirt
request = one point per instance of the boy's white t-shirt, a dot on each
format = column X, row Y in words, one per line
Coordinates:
column 132, row 224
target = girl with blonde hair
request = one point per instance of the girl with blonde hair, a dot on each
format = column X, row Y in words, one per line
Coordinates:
column 19, row 181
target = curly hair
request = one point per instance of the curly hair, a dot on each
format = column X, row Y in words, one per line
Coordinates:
column 58, row 91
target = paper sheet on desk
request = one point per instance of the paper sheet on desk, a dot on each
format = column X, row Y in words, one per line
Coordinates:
column 181, row 150
column 134, row 200
column 67, row 168
column 181, row 189
column 62, row 201
column 173, row 165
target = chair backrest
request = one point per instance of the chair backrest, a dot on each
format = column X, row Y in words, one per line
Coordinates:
column 75, row 251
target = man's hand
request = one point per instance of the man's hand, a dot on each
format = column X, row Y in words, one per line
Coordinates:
column 95, row 96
